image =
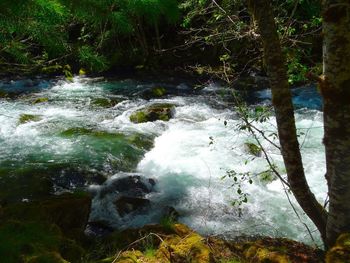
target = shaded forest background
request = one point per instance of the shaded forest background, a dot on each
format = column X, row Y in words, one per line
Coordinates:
column 201, row 36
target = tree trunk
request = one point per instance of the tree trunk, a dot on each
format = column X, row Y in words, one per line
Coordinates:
column 282, row 101
column 335, row 89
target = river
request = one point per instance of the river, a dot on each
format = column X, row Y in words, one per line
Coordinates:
column 81, row 135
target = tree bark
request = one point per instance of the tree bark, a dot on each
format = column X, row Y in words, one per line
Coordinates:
column 335, row 89
column 282, row 102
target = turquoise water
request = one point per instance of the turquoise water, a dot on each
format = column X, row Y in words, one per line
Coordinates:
column 83, row 136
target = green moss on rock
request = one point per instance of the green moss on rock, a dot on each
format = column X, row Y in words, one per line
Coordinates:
column 105, row 102
column 24, row 118
column 340, row 253
column 154, row 112
column 158, row 91
column 40, row 100
column 253, row 149
column 3, row 94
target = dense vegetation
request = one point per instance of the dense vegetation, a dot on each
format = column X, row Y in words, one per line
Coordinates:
column 44, row 36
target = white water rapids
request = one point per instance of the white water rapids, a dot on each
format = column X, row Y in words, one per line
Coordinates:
column 191, row 153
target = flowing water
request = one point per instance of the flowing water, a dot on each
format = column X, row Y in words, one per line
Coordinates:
column 81, row 135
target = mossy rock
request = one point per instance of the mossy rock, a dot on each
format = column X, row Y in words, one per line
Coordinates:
column 3, row 94
column 267, row 177
column 253, row 149
column 29, row 242
column 190, row 248
column 261, row 254
column 279, row 250
column 340, row 253
column 24, row 118
column 105, row 102
column 77, row 131
column 158, row 91
column 46, row 257
column 141, row 141
column 40, row 100
column 69, row 212
column 163, row 112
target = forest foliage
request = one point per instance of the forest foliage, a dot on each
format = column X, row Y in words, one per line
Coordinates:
column 216, row 37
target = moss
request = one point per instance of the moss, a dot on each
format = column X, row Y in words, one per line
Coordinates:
column 261, row 254
column 341, row 251
column 3, row 94
column 153, row 113
column 253, row 149
column 54, row 69
column 67, row 211
column 141, row 141
column 132, row 256
column 40, row 100
column 24, row 118
column 105, row 102
column 82, row 72
column 138, row 117
column 267, row 176
column 19, row 239
column 190, row 248
column 47, row 257
column 158, row 91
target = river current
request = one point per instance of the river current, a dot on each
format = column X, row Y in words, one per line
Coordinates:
column 81, row 135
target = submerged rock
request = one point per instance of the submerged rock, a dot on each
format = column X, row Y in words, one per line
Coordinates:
column 24, row 118
column 154, row 112
column 110, row 152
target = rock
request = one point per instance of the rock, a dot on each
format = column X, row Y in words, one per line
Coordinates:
column 158, row 91
column 253, row 149
column 129, row 186
column 98, row 229
column 105, row 102
column 141, row 141
column 154, row 92
column 40, row 100
column 52, row 257
column 126, row 205
column 154, row 112
column 24, row 118
column 69, row 212
column 340, row 253
column 188, row 248
column 36, row 242
column 3, row 94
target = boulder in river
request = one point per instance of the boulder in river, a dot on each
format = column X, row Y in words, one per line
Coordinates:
column 154, row 112
column 126, row 205
column 105, row 102
column 24, row 118
column 253, row 149
column 40, row 100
